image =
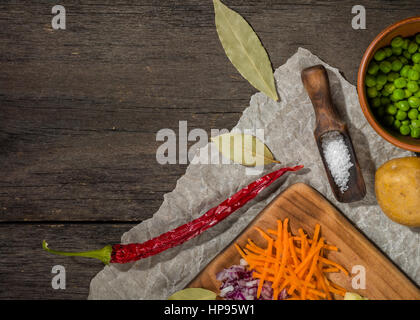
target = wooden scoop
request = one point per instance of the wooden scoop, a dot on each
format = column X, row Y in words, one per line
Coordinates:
column 316, row 83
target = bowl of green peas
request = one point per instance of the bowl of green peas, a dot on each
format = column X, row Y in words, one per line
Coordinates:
column 388, row 84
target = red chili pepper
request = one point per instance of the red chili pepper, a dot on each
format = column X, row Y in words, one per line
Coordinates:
column 123, row 253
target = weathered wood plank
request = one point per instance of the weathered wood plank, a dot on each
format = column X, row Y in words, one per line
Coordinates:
column 25, row 269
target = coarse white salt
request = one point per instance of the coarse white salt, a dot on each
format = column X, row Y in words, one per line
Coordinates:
column 338, row 159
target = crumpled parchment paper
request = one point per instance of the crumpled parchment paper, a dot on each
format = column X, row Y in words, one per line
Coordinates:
column 288, row 131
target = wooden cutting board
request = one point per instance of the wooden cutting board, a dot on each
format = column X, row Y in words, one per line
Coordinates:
column 305, row 207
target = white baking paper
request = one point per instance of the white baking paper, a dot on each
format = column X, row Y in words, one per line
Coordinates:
column 288, row 131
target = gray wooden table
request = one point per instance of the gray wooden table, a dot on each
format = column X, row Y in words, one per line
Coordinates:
column 80, row 109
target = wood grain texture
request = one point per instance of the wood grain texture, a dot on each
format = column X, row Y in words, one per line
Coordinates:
column 80, row 108
column 25, row 269
column 316, row 82
column 305, row 207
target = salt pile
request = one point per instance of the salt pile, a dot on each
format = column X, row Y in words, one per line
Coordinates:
column 338, row 159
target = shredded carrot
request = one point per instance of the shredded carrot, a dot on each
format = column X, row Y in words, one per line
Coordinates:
column 295, row 263
column 270, row 245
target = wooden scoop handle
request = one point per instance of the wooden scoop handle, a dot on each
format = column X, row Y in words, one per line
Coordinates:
column 316, row 83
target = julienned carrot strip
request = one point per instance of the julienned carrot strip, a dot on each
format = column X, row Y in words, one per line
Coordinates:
column 332, row 269
column 330, row 247
column 326, row 246
column 321, row 279
column 260, row 284
column 295, row 279
column 272, row 232
column 316, row 234
column 252, row 249
column 283, row 258
column 336, row 291
column 317, row 293
column 293, row 252
column 293, row 263
column 308, row 258
column 243, row 255
column 279, row 239
column 251, row 243
column 303, row 242
column 263, row 234
column 278, row 254
column 314, row 260
column 335, row 264
column 338, row 287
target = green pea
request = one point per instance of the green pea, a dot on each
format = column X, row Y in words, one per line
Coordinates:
column 407, row 54
column 415, row 132
column 413, row 74
column 404, row 71
column 397, row 124
column 379, row 55
column 397, row 42
column 412, row 86
column 391, row 109
column 416, row 57
column 401, row 115
column 385, row 101
column 372, row 92
column 412, row 47
column 413, row 114
column 414, row 102
column 404, row 60
column 403, row 105
column 405, row 130
column 396, row 51
column 417, row 94
column 385, row 66
column 405, row 122
column 400, row 83
column 375, row 102
column 392, row 76
column 418, row 38
column 381, row 79
column 398, row 94
column 405, row 44
column 415, row 123
column 379, row 87
column 408, row 93
column 389, row 88
column 373, row 68
column 370, row 81
column 416, row 67
column 388, row 51
column 396, row 65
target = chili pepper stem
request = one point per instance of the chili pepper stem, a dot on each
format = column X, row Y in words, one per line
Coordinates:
column 103, row 254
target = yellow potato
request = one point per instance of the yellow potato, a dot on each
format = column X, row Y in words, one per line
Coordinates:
column 397, row 187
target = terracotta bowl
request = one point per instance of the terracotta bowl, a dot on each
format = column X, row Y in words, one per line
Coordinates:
column 405, row 28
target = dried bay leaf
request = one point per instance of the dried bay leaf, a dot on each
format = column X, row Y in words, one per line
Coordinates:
column 244, row 149
column 244, row 49
column 193, row 294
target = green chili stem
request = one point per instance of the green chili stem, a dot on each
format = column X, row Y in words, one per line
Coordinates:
column 103, row 254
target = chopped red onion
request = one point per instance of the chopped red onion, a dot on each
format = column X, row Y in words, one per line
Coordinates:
column 238, row 284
